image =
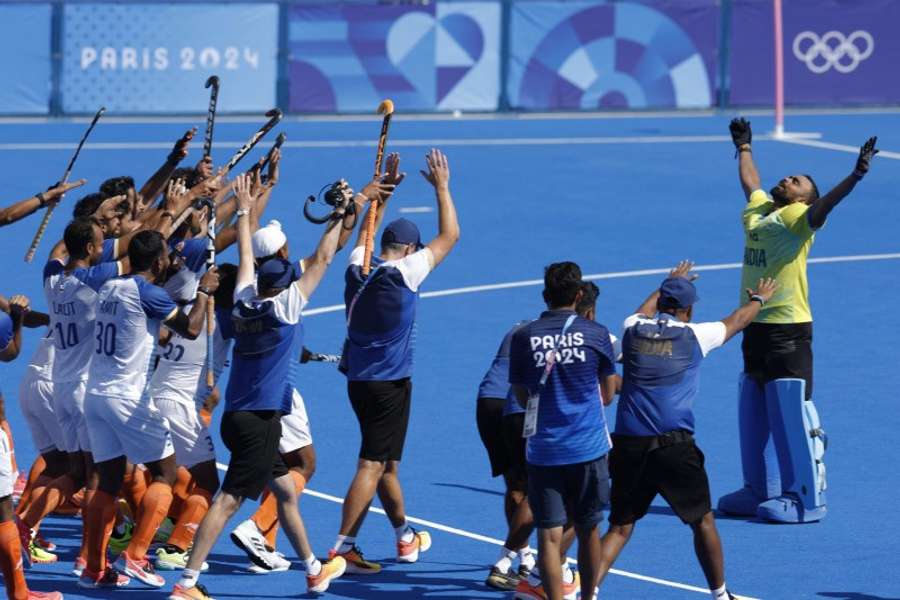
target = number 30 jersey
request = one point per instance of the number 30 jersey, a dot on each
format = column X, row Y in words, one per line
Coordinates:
column 72, row 301
column 129, row 312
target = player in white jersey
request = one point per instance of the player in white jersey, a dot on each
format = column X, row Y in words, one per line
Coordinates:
column 71, row 291
column 120, row 423
column 11, row 557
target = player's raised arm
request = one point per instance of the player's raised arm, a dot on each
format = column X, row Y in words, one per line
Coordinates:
column 315, row 266
column 21, row 209
column 742, row 135
column 438, row 175
column 157, row 182
column 191, row 325
column 245, row 275
column 385, row 188
column 820, row 209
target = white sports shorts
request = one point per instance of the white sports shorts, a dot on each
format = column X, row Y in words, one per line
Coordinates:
column 295, row 433
column 131, row 427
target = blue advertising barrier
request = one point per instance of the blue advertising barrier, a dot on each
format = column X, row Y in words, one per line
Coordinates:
column 835, row 52
column 155, row 58
column 25, row 69
column 440, row 56
column 595, row 55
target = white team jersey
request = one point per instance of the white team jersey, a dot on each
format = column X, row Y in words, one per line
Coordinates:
column 72, row 302
column 41, row 363
column 129, row 312
column 181, row 368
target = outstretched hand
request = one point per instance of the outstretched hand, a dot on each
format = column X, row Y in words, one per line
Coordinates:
column 683, row 269
column 392, row 174
column 242, row 192
column 180, row 150
column 740, row 132
column 866, row 153
column 438, row 173
column 56, row 191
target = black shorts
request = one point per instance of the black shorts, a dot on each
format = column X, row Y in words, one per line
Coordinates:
column 577, row 493
column 252, row 438
column 489, row 417
column 675, row 472
column 517, row 471
column 382, row 409
column 776, row 351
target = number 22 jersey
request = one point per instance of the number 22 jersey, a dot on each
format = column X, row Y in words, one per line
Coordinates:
column 129, row 312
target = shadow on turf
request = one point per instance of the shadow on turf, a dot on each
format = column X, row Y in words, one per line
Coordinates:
column 855, row 596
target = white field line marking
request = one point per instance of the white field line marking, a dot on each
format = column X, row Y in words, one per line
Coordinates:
column 613, row 275
column 497, row 542
column 417, row 209
column 833, row 146
column 513, row 141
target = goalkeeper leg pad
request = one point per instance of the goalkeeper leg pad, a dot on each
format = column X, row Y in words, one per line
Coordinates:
column 800, row 444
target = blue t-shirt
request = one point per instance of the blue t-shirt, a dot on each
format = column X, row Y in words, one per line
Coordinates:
column 267, row 340
column 495, row 383
column 571, row 427
column 192, row 252
column 109, row 250
column 6, row 330
column 662, row 358
column 381, row 318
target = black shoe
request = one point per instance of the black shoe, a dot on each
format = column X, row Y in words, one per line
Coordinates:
column 499, row 580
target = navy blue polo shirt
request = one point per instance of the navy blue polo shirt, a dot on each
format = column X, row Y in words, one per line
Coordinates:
column 571, row 427
column 381, row 318
column 662, row 359
column 495, row 383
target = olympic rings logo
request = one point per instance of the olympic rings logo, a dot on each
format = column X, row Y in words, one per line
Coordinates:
column 843, row 53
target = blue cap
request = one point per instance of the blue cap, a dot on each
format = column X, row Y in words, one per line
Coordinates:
column 677, row 292
column 402, row 231
column 275, row 273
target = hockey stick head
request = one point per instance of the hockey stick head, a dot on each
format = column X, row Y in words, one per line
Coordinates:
column 212, row 81
column 386, row 107
column 274, row 115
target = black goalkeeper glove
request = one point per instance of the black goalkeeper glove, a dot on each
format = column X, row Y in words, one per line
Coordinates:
column 740, row 132
column 866, row 153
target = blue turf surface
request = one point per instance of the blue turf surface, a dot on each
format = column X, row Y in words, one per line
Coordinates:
column 611, row 207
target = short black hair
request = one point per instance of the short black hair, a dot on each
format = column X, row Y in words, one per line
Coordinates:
column 815, row 188
column 190, row 175
column 227, row 280
column 116, row 186
column 589, row 294
column 562, row 282
column 145, row 247
column 87, row 206
column 79, row 233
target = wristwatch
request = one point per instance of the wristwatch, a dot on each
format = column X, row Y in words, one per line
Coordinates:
column 242, row 212
column 757, row 298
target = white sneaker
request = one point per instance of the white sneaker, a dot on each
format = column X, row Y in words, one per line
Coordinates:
column 247, row 537
column 279, row 562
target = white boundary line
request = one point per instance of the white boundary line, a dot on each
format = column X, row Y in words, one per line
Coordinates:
column 498, row 542
column 612, row 275
column 426, row 142
column 833, row 146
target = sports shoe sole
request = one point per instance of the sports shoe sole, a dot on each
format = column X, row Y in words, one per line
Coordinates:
column 321, row 587
column 145, row 578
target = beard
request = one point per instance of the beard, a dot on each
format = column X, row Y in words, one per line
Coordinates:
column 778, row 195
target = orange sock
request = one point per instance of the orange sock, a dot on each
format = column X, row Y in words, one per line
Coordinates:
column 35, row 478
column 45, row 503
column 266, row 516
column 134, row 486
column 11, row 562
column 193, row 511
column 180, row 492
column 4, row 424
column 154, row 509
column 99, row 518
column 88, row 494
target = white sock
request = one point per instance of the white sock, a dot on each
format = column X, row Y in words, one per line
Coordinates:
column 188, row 578
column 567, row 575
column 505, row 561
column 720, row 593
column 344, row 543
column 313, row 566
column 526, row 557
column 404, row 533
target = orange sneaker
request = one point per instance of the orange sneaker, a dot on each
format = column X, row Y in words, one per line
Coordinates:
column 408, row 552
column 331, row 569
column 356, row 563
column 44, row 595
column 110, row 578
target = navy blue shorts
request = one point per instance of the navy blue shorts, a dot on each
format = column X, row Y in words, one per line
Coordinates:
column 564, row 493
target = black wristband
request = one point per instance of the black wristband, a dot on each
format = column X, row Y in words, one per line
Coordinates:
column 204, row 291
column 757, row 298
column 41, row 198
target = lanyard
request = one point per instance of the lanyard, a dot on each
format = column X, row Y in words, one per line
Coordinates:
column 531, row 411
